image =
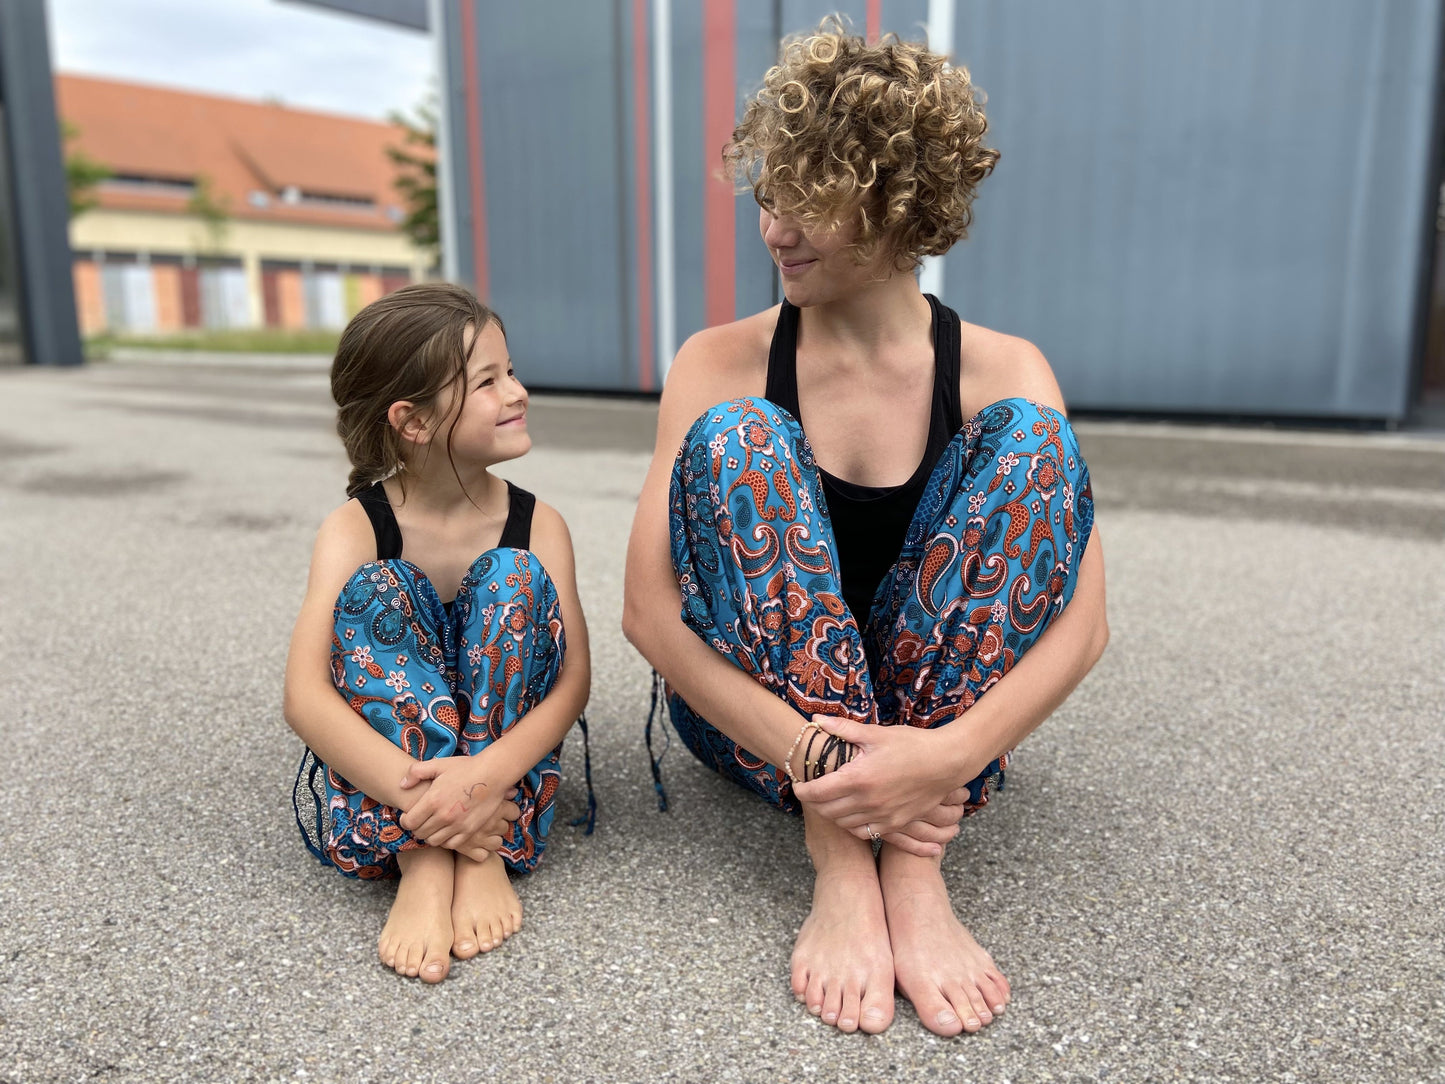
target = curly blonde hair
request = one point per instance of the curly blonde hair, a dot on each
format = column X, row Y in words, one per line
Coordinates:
column 885, row 135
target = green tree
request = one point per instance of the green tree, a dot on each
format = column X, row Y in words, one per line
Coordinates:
column 416, row 173
column 82, row 173
column 214, row 212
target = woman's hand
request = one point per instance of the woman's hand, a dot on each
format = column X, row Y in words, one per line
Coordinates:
column 899, row 783
column 463, row 809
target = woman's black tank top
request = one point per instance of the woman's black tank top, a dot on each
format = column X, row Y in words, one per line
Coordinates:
column 516, row 532
column 871, row 522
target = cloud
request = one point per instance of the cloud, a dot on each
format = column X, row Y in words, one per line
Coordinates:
column 311, row 58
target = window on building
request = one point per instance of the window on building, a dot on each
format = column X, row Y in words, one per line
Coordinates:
column 143, row 185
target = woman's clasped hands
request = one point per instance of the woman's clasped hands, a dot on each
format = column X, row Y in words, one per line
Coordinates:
column 900, row 786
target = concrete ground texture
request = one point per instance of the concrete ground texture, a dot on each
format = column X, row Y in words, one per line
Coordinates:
column 1223, row 859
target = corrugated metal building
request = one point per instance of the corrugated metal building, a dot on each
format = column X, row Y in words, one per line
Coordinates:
column 1222, row 207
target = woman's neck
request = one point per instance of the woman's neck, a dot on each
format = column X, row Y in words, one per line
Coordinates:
column 869, row 320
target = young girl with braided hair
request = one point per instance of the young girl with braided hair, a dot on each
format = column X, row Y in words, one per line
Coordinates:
column 440, row 654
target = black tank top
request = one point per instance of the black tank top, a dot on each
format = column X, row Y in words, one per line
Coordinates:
column 871, row 522
column 516, row 532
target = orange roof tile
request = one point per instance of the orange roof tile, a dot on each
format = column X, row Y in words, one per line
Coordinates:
column 242, row 147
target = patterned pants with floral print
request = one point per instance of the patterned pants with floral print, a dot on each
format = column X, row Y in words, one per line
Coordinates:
column 990, row 558
column 437, row 681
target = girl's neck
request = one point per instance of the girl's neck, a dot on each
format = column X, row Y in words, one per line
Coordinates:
column 871, row 319
column 431, row 485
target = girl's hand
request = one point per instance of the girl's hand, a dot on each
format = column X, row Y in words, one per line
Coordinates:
column 463, row 809
column 897, row 782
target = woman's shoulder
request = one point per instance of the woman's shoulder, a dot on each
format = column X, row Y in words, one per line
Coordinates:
column 728, row 361
column 994, row 366
column 738, row 349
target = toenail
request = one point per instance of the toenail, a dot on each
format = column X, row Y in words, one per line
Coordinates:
column 972, row 1022
column 846, row 1022
column 997, row 1009
column 815, row 1009
column 467, row 946
column 947, row 1018
column 873, row 1014
column 830, row 1017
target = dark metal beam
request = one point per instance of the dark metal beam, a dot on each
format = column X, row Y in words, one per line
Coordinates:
column 408, row 13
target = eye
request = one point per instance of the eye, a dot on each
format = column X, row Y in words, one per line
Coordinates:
column 488, row 382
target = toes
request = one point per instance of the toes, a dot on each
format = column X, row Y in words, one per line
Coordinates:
column 465, row 946
column 408, row 960
column 938, row 1015
column 851, row 1009
column 799, row 982
column 965, row 1002
column 434, row 967
column 814, row 998
column 994, row 989
column 832, row 1002
column 877, row 1011
column 979, row 1002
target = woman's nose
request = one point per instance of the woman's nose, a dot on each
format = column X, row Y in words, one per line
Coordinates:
column 782, row 232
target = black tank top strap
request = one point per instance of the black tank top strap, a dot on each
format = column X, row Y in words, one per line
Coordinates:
column 782, row 383
column 517, row 532
column 383, row 521
column 947, row 339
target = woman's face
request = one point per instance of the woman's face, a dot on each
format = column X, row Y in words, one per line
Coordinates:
column 819, row 267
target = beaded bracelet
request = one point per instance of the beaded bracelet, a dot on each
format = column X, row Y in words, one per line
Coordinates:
column 788, row 760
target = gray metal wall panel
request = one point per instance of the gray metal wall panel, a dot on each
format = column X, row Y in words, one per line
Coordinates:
column 758, row 34
column 1209, row 207
column 552, row 146
column 687, row 167
column 455, row 170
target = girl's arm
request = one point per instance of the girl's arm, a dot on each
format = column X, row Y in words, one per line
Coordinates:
column 456, row 808
column 313, row 707
column 727, row 697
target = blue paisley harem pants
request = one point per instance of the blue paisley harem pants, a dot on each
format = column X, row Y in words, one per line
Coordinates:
column 990, row 558
column 437, row 684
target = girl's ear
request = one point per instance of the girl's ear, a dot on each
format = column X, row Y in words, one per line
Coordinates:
column 409, row 422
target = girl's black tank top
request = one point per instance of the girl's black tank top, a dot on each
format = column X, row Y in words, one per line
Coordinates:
column 516, row 532
column 870, row 523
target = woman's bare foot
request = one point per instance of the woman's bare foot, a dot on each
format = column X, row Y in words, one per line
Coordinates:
column 485, row 910
column 951, row 980
column 418, row 932
column 842, row 966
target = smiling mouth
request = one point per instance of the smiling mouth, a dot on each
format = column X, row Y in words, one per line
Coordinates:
column 788, row 267
column 515, row 420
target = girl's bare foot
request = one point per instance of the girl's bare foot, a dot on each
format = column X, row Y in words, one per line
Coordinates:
column 418, row 932
column 951, row 980
column 842, row 966
column 485, row 910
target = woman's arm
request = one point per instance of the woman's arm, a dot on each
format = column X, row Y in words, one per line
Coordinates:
column 937, row 761
column 454, row 811
column 313, row 708
column 728, row 698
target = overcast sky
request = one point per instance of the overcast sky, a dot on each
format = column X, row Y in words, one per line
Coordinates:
column 307, row 57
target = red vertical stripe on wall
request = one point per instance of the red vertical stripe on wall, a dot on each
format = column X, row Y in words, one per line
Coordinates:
column 642, row 165
column 874, row 20
column 471, row 85
column 719, row 93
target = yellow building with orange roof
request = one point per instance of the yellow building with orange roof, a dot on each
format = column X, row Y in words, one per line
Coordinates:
column 304, row 229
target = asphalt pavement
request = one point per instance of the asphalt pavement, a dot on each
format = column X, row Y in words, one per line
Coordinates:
column 1223, row 859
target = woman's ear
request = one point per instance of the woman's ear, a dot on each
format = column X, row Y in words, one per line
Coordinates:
column 409, row 422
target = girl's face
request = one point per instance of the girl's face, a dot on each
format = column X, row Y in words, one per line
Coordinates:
column 490, row 424
column 816, row 268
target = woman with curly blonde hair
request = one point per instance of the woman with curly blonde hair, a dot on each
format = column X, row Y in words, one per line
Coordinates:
column 926, row 542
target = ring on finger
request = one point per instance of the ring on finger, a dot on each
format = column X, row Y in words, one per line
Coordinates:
column 871, row 834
